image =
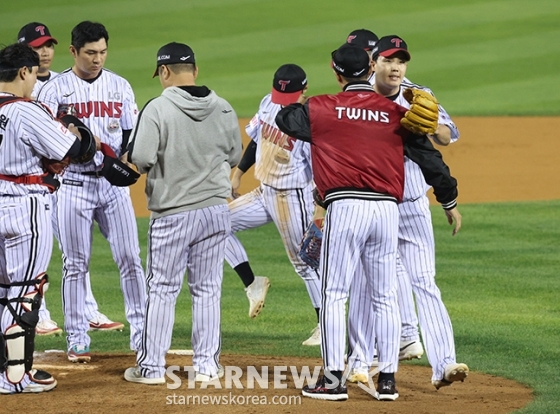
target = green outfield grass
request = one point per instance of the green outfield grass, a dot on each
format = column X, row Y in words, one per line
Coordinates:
column 480, row 57
column 498, row 277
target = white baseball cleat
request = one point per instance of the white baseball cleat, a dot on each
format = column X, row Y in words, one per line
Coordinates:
column 102, row 323
column 315, row 338
column 453, row 372
column 200, row 377
column 410, row 350
column 133, row 375
column 256, row 293
column 47, row 327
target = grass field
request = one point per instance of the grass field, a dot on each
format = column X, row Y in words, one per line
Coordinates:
column 498, row 277
column 480, row 57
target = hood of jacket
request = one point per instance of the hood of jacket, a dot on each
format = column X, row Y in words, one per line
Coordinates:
column 198, row 102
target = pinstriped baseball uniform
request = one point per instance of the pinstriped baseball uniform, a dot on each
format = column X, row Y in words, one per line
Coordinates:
column 106, row 105
column 90, row 303
column 41, row 82
column 283, row 167
column 28, row 134
column 415, row 271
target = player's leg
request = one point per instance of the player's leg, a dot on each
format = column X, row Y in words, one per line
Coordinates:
column 26, row 240
column 292, row 211
column 361, row 336
column 168, row 255
column 205, row 274
column 410, row 347
column 344, row 233
column 379, row 261
column 75, row 203
column 117, row 223
column 46, row 325
column 247, row 212
column 419, row 258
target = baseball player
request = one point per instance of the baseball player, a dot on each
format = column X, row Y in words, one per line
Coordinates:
column 38, row 36
column 105, row 102
column 30, row 138
column 358, row 167
column 416, row 247
column 283, row 166
column 186, row 141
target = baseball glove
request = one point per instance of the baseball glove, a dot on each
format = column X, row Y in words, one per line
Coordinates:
column 55, row 167
column 88, row 145
column 422, row 117
column 310, row 249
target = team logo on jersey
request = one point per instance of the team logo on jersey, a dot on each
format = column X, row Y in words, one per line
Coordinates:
column 113, row 125
column 98, row 109
column 362, row 114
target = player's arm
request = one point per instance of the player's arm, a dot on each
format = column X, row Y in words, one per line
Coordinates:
column 293, row 120
column 436, row 173
column 143, row 147
column 247, row 161
column 442, row 135
column 446, row 132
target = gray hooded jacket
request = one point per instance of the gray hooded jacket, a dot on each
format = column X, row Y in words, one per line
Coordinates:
column 187, row 144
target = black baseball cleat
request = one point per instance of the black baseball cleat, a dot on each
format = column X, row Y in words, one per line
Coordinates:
column 387, row 390
column 322, row 390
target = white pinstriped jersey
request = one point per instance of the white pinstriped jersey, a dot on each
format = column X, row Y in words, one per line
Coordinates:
column 40, row 83
column 281, row 161
column 414, row 184
column 106, row 105
column 28, row 132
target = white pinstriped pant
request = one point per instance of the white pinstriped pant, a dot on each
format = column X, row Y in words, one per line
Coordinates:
column 359, row 233
column 77, row 208
column 417, row 251
column 91, row 307
column 25, row 250
column 192, row 241
column 291, row 211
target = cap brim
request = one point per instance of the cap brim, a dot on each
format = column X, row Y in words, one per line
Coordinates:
column 391, row 52
column 42, row 40
column 285, row 99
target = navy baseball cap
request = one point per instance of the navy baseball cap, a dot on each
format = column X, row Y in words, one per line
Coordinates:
column 389, row 45
column 174, row 53
column 364, row 38
column 35, row 35
column 289, row 81
column 350, row 61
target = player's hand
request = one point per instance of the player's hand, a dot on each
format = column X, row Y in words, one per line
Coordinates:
column 74, row 129
column 453, row 215
column 236, row 183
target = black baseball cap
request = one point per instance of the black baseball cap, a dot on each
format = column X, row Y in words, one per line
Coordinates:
column 389, row 45
column 364, row 38
column 350, row 61
column 289, row 81
column 35, row 34
column 174, row 53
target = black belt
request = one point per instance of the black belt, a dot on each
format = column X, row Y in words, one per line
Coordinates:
column 92, row 173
